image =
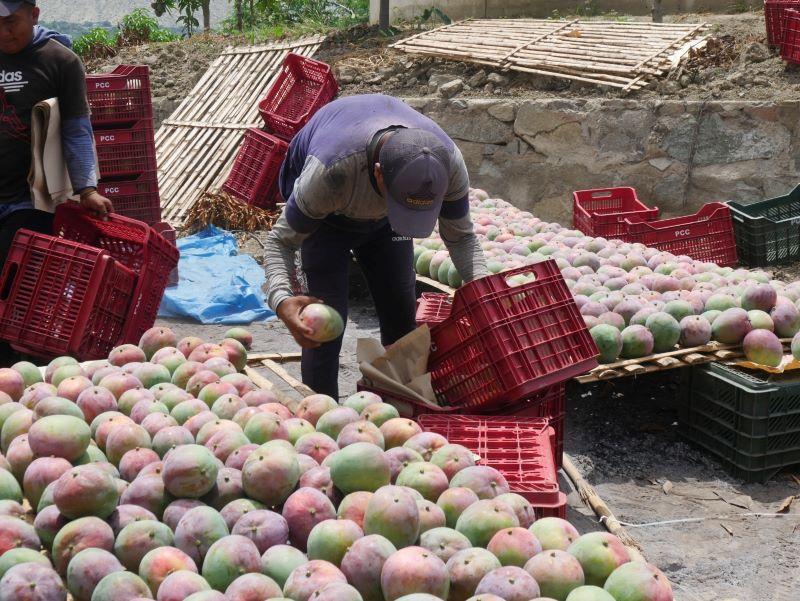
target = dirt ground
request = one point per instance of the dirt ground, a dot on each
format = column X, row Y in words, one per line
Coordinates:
column 624, row 438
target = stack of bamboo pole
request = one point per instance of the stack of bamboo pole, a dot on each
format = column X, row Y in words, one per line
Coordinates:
column 197, row 145
column 626, row 55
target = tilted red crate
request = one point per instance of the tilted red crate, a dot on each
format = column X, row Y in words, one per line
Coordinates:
column 790, row 45
column 602, row 212
column 301, row 89
column 502, row 342
column 121, row 96
column 705, row 236
column 134, row 244
column 254, row 176
column 519, row 448
column 60, row 297
column 135, row 197
column 126, row 151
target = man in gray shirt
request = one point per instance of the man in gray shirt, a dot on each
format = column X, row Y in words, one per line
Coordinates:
column 365, row 176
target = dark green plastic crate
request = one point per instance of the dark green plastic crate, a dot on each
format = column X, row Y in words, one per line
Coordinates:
column 750, row 420
column 768, row 232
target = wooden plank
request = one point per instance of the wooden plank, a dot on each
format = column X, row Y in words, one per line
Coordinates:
column 287, row 377
column 276, row 357
column 257, row 378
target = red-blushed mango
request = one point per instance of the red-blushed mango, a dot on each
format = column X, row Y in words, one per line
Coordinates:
column 363, row 562
column 59, row 436
column 337, row 591
column 39, row 474
column 589, row 593
column 695, row 331
column 599, row 554
column 731, row 326
column 392, row 512
column 760, row 296
column 32, row 582
column 414, row 570
column 138, row 538
column 159, row 563
column 361, row 400
column 271, row 473
column 514, row 546
column 121, row 586
column 197, row 530
column 190, row 471
column 554, row 533
column 85, row 490
column 485, row 481
column 279, row 561
column 147, row 491
column 510, row 583
column 763, row 347
column 482, row 520
column 15, row 532
column 319, row 477
column 87, row 569
column 637, row 341
column 430, row 515
column 360, row 431
column 242, row 335
column 95, row 400
column 234, row 510
column 360, row 466
column 126, row 353
column 47, row 524
column 354, row 506
column 452, row 458
column 304, row 509
column 180, row 585
column 236, row 351
column 521, row 506
column 380, row 413
column 80, row 534
column 206, row 351
column 313, row 407
column 188, row 344
column 228, row 558
column 19, row 555
column 305, row 579
column 426, row 478
column 330, row 539
column 426, row 443
column 324, row 322
column 155, row 339
column 454, row 501
column 127, row 514
column 253, row 586
column 557, row 572
column 177, row 509
column 400, row 457
column 264, row 527
column 398, row 430
column 638, row 581
column 444, row 542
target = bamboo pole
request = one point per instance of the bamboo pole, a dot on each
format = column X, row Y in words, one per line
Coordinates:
column 593, row 500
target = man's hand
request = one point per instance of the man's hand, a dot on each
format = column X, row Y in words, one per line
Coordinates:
column 96, row 203
column 289, row 312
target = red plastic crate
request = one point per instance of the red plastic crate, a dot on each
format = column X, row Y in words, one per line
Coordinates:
column 134, row 244
column 135, row 197
column 433, row 308
column 549, row 403
column 303, row 86
column 59, row 297
column 790, row 46
column 775, row 18
column 705, row 236
column 171, row 236
column 503, row 343
column 126, row 151
column 121, row 96
column 254, row 176
column 602, row 212
column 517, row 447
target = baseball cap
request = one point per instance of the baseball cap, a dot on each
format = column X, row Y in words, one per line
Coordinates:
column 9, row 7
column 415, row 166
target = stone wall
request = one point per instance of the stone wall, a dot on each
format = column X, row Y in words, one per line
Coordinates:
column 463, row 9
column 678, row 155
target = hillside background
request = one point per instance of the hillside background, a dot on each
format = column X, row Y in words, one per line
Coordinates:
column 75, row 17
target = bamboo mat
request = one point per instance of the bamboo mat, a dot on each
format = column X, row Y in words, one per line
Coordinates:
column 197, row 145
column 626, row 55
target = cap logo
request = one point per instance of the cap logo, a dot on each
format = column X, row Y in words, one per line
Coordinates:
column 419, row 202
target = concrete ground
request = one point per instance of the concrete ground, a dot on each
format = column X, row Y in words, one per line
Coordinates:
column 624, row 438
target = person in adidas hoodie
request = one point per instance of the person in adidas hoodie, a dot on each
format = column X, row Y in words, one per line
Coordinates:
column 37, row 64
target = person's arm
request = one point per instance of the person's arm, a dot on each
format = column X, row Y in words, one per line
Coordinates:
column 458, row 235
column 309, row 202
column 77, row 139
column 455, row 224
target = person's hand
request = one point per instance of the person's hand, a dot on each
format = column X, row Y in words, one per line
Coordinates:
column 289, row 313
column 96, row 203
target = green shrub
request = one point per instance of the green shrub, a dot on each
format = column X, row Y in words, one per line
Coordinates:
column 97, row 43
column 139, row 27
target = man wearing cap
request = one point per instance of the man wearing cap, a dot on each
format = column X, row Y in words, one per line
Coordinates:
column 35, row 65
column 366, row 175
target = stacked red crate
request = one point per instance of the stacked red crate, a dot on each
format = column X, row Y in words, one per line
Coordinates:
column 122, row 119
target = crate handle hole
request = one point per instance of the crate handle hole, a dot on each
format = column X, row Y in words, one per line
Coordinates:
column 520, row 279
column 10, row 276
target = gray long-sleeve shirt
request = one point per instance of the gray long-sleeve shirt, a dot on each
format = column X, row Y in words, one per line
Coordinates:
column 327, row 174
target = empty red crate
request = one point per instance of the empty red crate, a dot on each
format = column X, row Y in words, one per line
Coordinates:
column 502, row 343
column 59, row 297
column 171, row 236
column 705, row 236
column 775, row 18
column 790, row 46
column 433, row 308
column 121, row 96
column 254, row 176
column 517, row 447
column 135, row 197
column 134, row 244
column 126, row 151
column 303, row 86
column 602, row 212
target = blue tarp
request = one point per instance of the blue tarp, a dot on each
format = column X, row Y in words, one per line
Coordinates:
column 217, row 284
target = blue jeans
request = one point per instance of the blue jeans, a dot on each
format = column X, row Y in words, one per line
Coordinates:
column 387, row 261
